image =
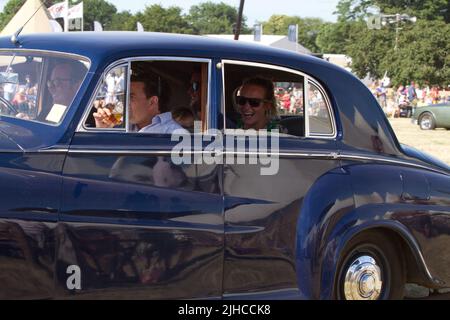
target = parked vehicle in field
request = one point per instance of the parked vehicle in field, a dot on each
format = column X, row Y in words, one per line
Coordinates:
column 433, row 116
column 405, row 111
column 97, row 211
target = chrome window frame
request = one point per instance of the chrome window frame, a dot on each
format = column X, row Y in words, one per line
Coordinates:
column 307, row 80
column 330, row 112
column 56, row 54
column 128, row 62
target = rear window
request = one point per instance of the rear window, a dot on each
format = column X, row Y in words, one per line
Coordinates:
column 37, row 87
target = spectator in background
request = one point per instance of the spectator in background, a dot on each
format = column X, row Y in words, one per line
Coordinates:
column 434, row 95
column 9, row 88
column 381, row 94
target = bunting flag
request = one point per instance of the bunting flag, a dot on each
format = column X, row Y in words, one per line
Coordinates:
column 76, row 11
column 58, row 10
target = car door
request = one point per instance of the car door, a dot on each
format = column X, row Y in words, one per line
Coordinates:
column 32, row 154
column 269, row 251
column 134, row 224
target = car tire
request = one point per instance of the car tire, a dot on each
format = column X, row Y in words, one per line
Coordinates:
column 427, row 122
column 371, row 268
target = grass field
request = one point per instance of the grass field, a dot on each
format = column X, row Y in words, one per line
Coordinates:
column 434, row 142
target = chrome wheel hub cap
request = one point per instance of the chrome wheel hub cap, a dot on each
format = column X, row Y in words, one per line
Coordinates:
column 363, row 280
column 426, row 122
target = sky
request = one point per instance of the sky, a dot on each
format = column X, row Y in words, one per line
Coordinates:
column 254, row 10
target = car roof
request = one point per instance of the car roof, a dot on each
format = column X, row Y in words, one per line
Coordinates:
column 104, row 48
column 97, row 45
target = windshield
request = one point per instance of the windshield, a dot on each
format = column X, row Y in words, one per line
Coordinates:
column 39, row 87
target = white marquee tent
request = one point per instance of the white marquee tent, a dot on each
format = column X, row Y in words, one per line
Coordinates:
column 41, row 22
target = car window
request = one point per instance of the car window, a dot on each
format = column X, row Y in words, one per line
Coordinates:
column 318, row 113
column 111, row 95
column 281, row 94
column 39, row 87
column 264, row 97
column 152, row 97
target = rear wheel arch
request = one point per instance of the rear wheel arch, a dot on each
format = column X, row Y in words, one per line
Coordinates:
column 412, row 268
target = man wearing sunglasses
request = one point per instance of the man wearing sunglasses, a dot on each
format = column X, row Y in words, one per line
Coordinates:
column 64, row 81
column 256, row 103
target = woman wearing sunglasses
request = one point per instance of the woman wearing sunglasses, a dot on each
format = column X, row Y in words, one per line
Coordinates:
column 255, row 101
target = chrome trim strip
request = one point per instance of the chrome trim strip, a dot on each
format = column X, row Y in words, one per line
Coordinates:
column 127, row 98
column 387, row 160
column 59, row 150
column 11, row 151
column 126, row 152
column 127, row 63
column 305, row 108
column 331, row 155
column 306, row 77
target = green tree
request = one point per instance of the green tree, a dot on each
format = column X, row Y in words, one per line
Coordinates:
column 98, row 10
column 123, row 21
column 422, row 54
column 214, row 18
column 309, row 29
column 159, row 19
column 334, row 37
column 422, row 9
column 368, row 49
column 423, row 48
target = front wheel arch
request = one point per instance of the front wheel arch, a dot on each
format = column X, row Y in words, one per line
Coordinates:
column 430, row 118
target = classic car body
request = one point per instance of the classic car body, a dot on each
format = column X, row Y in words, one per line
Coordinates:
column 433, row 116
column 345, row 203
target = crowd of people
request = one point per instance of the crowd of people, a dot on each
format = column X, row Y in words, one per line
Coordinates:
column 290, row 100
column 21, row 95
column 393, row 99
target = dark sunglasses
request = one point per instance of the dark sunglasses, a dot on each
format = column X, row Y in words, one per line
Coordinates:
column 57, row 82
column 252, row 102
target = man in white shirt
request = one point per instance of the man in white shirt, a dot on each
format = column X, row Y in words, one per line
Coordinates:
column 148, row 110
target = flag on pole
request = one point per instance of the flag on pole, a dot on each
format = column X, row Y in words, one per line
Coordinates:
column 293, row 33
column 140, row 28
column 58, row 10
column 98, row 26
column 258, row 32
column 76, row 11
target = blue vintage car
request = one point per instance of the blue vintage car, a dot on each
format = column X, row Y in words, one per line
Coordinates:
column 329, row 206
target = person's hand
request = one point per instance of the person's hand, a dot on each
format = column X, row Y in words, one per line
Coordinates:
column 103, row 116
